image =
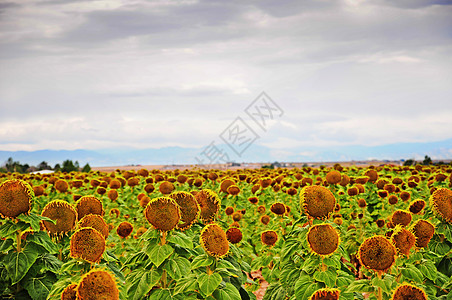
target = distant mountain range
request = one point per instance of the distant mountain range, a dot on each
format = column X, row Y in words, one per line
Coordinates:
column 255, row 153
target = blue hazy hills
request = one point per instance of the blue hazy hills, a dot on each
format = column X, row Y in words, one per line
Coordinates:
column 255, row 153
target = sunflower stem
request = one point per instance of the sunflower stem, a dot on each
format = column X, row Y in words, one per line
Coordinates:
column 163, row 238
column 380, row 295
column 18, row 240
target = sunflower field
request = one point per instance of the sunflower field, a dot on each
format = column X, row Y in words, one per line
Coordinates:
column 311, row 233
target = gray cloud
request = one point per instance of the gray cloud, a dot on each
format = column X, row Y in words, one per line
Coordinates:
column 97, row 74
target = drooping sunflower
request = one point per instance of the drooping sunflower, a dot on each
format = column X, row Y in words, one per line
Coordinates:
column 124, row 229
column 401, row 217
column 403, row 240
column 377, row 253
column 189, row 209
column 417, row 206
column 70, row 292
column 269, row 237
column 166, row 187
column 233, row 190
column 408, row 291
column 214, row 241
column 441, row 201
column 333, row 177
column 229, row 210
column 323, row 239
column 96, row 222
column 317, row 201
column 265, row 219
column 234, row 235
column 225, row 184
column 278, row 208
column 423, row 230
column 97, row 284
column 209, row 204
column 112, row 195
column 88, row 244
column 163, row 213
column 61, row 185
column 16, row 197
column 89, row 205
column 325, row 294
column 64, row 215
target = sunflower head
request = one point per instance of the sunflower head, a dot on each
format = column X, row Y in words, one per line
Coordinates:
column 70, row 292
column 377, row 253
column 96, row 222
column 441, row 201
column 88, row 244
column 189, row 209
column 417, row 206
column 214, row 240
column 163, row 213
column 89, row 205
column 234, row 235
column 64, row 215
column 233, row 190
column 408, row 291
column 278, row 208
column 97, row 284
column 16, row 197
column 124, row 229
column 229, row 210
column 166, row 187
column 61, row 185
column 209, row 204
column 333, row 177
column 423, row 230
column 323, row 239
column 264, row 219
column 403, row 240
column 325, row 294
column 225, row 184
column 401, row 217
column 317, row 201
column 269, row 237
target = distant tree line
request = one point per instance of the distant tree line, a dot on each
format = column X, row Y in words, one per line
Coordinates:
column 427, row 161
column 67, row 166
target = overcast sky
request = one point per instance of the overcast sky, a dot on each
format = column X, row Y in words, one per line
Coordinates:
column 135, row 73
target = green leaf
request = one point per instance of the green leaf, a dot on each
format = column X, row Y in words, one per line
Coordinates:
column 186, row 284
column 160, row 294
column 142, row 281
column 412, row 273
column 201, row 261
column 18, row 263
column 177, row 267
column 225, row 264
column 208, row 283
column 360, row 286
column 383, row 284
column 227, row 293
column 34, row 220
column 9, row 228
column 181, row 239
column 328, row 277
column 42, row 239
column 39, row 287
column 303, row 283
column 428, row 269
column 51, row 263
column 5, row 245
column 159, row 253
column 304, row 292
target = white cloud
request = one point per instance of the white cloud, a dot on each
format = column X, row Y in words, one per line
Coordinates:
column 103, row 74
